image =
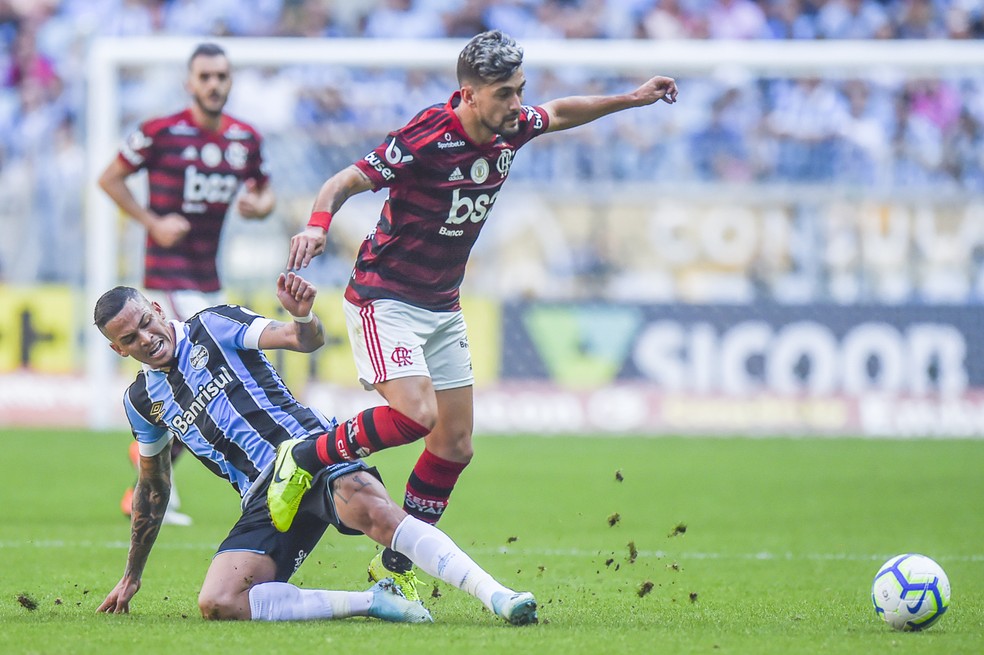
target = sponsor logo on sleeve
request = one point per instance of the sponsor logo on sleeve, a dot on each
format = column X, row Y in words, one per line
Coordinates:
column 373, row 160
column 134, row 143
column 157, row 411
column 534, row 117
column 394, row 154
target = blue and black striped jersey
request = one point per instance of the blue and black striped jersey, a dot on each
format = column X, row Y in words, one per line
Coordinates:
column 221, row 397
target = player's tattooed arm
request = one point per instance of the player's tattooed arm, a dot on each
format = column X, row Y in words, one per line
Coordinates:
column 149, row 504
column 150, row 498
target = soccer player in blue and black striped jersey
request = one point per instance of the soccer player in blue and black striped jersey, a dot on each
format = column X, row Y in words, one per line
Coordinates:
column 207, row 382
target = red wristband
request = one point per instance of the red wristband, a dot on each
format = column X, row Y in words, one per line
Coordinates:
column 320, row 219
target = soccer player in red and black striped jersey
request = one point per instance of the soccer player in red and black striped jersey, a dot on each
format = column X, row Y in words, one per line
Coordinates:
column 198, row 162
column 444, row 170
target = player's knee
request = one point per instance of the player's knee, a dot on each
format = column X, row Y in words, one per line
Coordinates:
column 454, row 444
column 220, row 606
column 415, row 403
column 461, row 453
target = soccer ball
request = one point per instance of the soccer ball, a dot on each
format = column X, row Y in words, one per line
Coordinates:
column 911, row 592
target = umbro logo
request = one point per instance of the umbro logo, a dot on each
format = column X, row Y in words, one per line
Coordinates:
column 456, row 175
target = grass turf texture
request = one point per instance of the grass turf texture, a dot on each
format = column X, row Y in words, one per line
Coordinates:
column 750, row 546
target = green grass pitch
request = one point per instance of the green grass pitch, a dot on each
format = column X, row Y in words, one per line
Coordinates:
column 744, row 546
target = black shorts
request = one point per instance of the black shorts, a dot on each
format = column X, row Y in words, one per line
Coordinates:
column 254, row 531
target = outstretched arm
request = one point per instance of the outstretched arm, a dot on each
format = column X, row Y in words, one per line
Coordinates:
column 565, row 113
column 305, row 333
column 149, row 504
column 310, row 243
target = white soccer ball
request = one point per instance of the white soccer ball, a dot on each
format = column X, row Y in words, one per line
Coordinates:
column 911, row 592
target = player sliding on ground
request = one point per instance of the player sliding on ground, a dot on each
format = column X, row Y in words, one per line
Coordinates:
column 207, row 382
column 444, row 171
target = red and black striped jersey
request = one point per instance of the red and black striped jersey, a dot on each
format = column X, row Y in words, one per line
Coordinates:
column 196, row 173
column 441, row 187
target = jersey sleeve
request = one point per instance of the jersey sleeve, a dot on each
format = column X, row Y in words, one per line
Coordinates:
column 390, row 162
column 151, row 436
column 533, row 122
column 137, row 149
column 234, row 326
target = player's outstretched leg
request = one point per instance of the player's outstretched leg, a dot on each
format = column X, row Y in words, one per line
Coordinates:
column 282, row 601
column 437, row 555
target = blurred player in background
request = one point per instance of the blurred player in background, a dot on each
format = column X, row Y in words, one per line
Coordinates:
column 207, row 382
column 443, row 170
column 196, row 161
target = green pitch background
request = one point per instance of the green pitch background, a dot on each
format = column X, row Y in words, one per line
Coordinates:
column 782, row 538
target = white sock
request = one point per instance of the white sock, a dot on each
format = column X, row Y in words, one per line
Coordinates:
column 435, row 553
column 281, row 601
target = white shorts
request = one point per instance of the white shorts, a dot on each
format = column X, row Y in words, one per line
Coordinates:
column 182, row 304
column 391, row 339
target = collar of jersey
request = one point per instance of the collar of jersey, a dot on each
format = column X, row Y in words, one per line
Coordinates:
column 453, row 102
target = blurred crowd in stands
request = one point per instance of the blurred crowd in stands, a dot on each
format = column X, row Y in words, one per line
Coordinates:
column 884, row 134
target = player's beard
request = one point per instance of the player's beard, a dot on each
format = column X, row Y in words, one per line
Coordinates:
column 506, row 127
column 211, row 107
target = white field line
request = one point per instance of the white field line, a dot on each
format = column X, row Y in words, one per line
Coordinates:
column 57, row 544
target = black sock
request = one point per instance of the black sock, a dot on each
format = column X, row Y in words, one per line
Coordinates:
column 396, row 562
column 306, row 456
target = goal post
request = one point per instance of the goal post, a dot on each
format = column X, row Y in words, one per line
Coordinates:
column 108, row 57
